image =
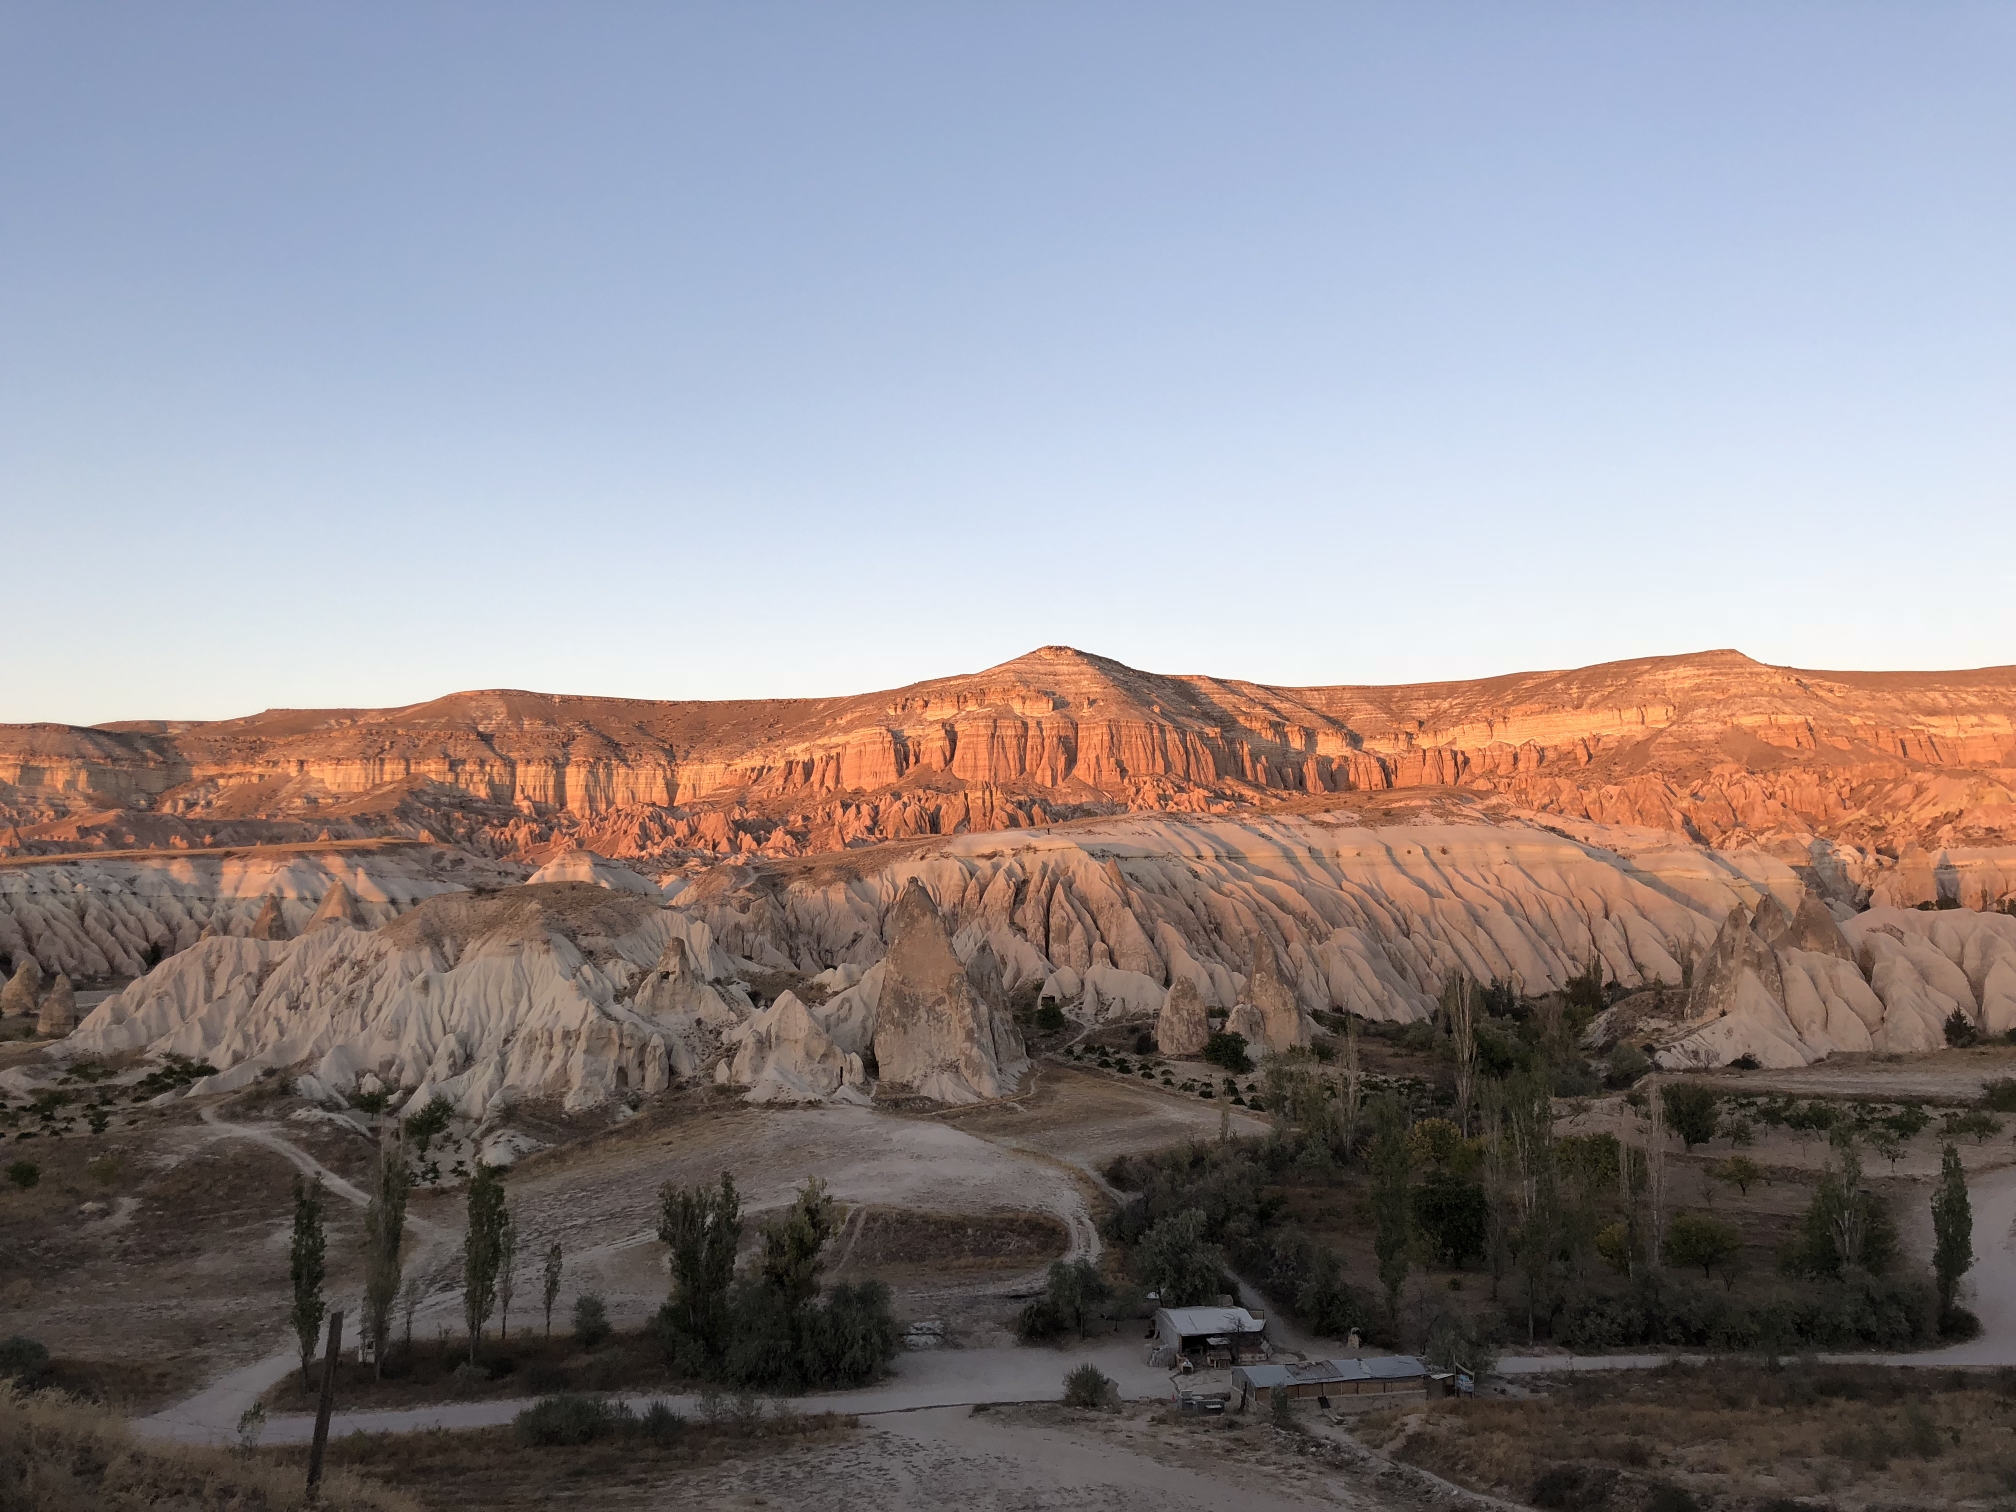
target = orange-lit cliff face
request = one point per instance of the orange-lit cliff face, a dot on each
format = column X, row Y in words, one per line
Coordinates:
column 1714, row 745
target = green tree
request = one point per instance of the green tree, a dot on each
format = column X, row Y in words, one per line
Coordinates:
column 384, row 1228
column 702, row 1226
column 790, row 1262
column 306, row 1256
column 1692, row 1239
column 1391, row 1164
column 1175, row 1261
column 1454, row 1214
column 1073, row 1293
column 482, row 1250
column 1228, row 1051
column 424, row 1127
column 550, row 1282
column 1952, row 1228
column 1690, row 1111
column 507, row 1268
column 1739, row 1171
column 1847, row 1227
column 1615, row 1243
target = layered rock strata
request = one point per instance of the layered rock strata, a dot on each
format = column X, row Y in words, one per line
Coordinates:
column 1713, row 746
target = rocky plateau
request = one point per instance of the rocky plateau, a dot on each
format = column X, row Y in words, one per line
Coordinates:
column 500, row 896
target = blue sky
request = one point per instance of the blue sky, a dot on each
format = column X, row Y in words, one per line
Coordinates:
column 352, row 355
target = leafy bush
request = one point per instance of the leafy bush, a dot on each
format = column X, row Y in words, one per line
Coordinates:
column 1667, row 1497
column 24, row 1174
column 569, row 1419
column 1999, row 1094
column 591, row 1320
column 1050, row 1018
column 1089, row 1387
column 1229, row 1051
column 22, row 1357
column 1627, row 1064
column 1961, row 1030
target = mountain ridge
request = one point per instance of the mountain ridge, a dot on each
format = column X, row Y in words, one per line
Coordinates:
column 1716, row 745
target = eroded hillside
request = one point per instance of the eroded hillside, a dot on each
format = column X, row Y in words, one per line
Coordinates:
column 1717, row 747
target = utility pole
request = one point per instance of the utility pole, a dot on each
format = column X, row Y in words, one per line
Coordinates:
column 328, row 1401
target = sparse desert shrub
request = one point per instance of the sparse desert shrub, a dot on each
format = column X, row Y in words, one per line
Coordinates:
column 591, row 1320
column 1961, row 1031
column 24, row 1174
column 1090, row 1387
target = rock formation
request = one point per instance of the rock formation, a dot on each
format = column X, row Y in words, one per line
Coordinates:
column 58, row 1013
column 1283, row 1024
column 270, row 924
column 1789, row 988
column 784, row 1054
column 24, row 991
column 936, row 1036
column 1182, row 1027
column 336, row 907
column 689, row 1011
column 1850, row 769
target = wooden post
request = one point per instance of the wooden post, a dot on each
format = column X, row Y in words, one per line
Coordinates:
column 328, row 1400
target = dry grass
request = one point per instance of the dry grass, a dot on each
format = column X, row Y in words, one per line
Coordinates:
column 528, row 1364
column 489, row 1469
column 61, row 1455
column 1735, row 1435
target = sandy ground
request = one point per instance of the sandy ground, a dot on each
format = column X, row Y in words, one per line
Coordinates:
column 1947, row 1076
column 598, row 1197
column 1026, row 1460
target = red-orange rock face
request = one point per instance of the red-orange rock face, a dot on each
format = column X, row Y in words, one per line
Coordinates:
column 1715, row 745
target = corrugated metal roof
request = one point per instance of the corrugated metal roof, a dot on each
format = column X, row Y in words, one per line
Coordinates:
column 1191, row 1321
column 1323, row 1372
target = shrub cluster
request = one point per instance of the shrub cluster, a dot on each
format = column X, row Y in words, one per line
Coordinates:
column 569, row 1419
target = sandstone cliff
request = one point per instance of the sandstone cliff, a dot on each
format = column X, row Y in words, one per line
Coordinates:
column 1716, row 747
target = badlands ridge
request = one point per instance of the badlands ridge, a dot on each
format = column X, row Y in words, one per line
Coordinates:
column 844, row 899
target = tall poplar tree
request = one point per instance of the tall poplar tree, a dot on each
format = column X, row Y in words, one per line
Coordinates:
column 1952, row 1228
column 482, row 1250
column 306, row 1264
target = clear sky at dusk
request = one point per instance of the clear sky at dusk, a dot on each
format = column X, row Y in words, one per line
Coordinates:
column 356, row 354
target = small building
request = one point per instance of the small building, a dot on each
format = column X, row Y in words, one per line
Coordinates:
column 1331, row 1383
column 1209, row 1338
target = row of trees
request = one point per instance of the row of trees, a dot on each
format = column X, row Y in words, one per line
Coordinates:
column 489, row 1259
